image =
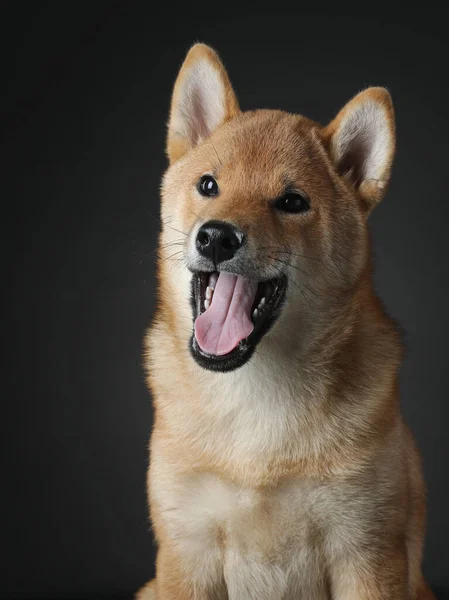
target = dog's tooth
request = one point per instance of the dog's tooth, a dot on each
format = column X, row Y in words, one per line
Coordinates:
column 209, row 292
column 262, row 302
column 255, row 313
column 206, row 303
column 213, row 280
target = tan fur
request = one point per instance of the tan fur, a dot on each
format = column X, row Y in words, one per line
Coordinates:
column 293, row 476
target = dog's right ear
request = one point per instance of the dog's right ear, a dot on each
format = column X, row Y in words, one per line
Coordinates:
column 202, row 100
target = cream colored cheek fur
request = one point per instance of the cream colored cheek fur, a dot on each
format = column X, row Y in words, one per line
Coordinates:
column 174, row 240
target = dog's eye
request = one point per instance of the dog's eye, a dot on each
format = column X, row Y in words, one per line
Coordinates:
column 292, row 202
column 207, row 186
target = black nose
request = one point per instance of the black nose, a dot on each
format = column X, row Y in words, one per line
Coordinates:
column 218, row 241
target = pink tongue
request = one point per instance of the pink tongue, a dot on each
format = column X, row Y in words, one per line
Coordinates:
column 227, row 321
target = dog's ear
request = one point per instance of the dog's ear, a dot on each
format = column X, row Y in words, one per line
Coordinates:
column 361, row 141
column 202, row 100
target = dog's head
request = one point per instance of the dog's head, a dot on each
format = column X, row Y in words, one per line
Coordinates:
column 264, row 212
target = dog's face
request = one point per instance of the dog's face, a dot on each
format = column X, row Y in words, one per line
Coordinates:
column 264, row 213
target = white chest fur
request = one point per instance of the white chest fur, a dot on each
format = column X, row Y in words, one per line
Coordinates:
column 265, row 544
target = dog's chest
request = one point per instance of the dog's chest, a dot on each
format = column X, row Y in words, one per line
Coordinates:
column 269, row 538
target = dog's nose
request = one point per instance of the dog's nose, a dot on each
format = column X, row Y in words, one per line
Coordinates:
column 218, row 241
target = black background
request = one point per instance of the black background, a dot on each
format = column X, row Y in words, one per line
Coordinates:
column 85, row 100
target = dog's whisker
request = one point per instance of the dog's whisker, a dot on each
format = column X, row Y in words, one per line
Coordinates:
column 194, row 213
column 164, row 222
column 171, row 256
column 171, row 244
column 290, row 280
column 288, row 264
column 216, row 153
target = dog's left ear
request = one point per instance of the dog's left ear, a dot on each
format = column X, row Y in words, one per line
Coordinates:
column 202, row 100
column 361, row 141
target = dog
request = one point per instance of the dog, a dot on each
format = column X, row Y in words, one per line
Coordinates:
column 280, row 466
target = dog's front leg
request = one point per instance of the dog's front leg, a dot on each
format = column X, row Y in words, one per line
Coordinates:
column 177, row 578
column 249, row 577
column 371, row 576
column 171, row 582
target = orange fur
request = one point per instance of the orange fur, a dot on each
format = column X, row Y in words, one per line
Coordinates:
column 293, row 476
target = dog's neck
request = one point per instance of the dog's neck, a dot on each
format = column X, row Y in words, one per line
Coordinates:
column 303, row 385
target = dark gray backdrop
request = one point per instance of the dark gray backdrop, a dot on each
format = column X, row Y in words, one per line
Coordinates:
column 84, row 106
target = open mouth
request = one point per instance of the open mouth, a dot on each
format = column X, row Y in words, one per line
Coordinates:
column 231, row 315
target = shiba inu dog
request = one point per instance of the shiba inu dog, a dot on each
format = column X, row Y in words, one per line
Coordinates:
column 280, row 467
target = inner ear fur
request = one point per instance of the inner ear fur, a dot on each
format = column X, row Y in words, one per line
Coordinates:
column 361, row 142
column 202, row 100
